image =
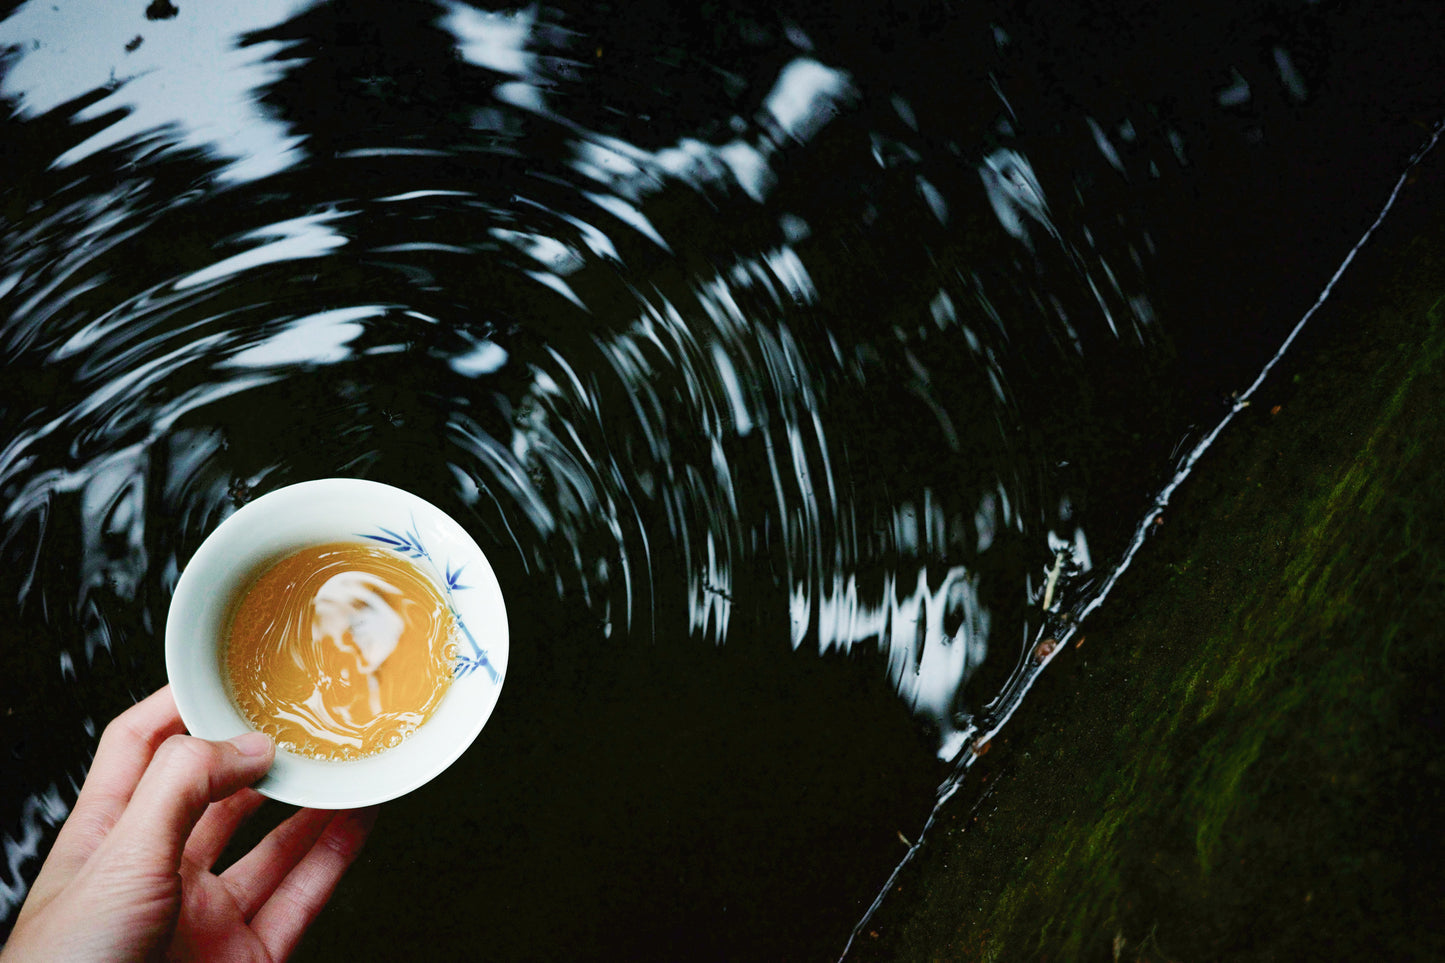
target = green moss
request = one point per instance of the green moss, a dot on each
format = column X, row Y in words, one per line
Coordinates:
column 1247, row 769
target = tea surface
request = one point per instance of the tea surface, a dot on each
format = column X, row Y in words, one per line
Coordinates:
column 339, row 651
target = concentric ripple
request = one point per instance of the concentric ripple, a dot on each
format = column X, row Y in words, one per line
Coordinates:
column 778, row 364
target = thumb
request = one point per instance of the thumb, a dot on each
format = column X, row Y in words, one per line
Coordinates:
column 186, row 775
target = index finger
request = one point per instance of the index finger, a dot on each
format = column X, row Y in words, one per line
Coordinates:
column 126, row 748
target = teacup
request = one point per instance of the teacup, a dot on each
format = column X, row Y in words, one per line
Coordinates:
column 317, row 513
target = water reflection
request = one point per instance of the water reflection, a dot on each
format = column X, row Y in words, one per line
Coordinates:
column 777, row 364
column 167, row 84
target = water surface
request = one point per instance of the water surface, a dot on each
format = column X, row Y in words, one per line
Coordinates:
column 775, row 360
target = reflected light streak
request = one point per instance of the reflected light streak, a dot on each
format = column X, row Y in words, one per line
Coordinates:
column 190, row 75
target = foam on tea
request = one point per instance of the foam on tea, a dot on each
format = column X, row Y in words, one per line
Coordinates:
column 339, row 651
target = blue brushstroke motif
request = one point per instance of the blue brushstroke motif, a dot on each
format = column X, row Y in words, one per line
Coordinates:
column 409, row 543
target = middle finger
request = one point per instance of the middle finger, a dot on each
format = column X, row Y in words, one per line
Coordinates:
column 255, row 876
column 222, row 819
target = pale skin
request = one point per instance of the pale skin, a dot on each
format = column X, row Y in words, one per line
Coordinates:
column 131, row 874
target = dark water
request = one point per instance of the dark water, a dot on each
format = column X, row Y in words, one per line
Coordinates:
column 772, row 355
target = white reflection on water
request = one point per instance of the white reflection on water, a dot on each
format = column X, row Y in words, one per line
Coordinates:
column 321, row 338
column 496, row 40
column 299, row 237
column 42, row 811
column 926, row 664
column 189, row 76
column 806, row 96
column 1015, row 193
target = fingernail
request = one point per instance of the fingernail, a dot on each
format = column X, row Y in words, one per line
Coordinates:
column 252, row 743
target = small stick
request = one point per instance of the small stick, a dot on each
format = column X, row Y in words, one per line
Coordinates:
column 1053, row 579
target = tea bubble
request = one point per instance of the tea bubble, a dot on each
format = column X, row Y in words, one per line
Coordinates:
column 340, row 649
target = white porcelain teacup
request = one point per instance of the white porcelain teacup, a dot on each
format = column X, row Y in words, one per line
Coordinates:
column 315, row 513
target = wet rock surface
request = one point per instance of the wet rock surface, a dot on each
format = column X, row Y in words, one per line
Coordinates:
column 1239, row 759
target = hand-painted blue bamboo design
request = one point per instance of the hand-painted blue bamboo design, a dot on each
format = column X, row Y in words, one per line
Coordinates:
column 409, row 543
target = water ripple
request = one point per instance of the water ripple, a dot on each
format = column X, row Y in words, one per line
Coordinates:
column 745, row 352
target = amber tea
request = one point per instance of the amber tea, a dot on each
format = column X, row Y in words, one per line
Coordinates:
column 339, row 651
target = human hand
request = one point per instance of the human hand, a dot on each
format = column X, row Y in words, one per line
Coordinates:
column 129, row 877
